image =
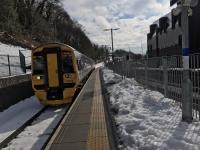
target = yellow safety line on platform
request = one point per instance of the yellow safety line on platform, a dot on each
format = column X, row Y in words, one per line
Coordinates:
column 97, row 136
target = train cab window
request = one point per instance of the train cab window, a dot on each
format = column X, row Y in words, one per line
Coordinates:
column 38, row 65
column 68, row 64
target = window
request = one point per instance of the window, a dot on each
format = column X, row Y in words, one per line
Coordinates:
column 179, row 20
column 174, row 21
column 180, row 40
column 38, row 65
column 79, row 63
column 67, row 63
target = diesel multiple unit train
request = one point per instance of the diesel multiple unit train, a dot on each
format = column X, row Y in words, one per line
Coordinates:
column 57, row 72
column 165, row 36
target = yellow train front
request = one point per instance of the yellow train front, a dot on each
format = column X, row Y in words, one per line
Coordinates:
column 57, row 72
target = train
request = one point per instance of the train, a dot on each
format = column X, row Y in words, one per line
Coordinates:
column 58, row 72
column 166, row 34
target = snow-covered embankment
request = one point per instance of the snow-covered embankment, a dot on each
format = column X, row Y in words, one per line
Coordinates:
column 146, row 119
column 13, row 52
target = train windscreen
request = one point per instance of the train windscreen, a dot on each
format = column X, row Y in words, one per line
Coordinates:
column 38, row 65
column 67, row 63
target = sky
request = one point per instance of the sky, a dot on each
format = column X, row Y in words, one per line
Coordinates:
column 133, row 17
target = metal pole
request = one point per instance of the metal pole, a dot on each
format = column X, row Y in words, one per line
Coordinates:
column 146, row 73
column 165, row 76
column 9, row 65
column 111, row 30
column 187, row 85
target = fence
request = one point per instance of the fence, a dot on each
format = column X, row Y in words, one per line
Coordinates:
column 166, row 76
column 13, row 65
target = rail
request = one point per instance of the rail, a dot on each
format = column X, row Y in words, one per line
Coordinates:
column 8, row 139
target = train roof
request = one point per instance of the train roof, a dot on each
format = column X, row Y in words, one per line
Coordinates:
column 44, row 44
column 77, row 53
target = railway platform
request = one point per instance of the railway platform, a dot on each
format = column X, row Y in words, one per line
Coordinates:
column 85, row 126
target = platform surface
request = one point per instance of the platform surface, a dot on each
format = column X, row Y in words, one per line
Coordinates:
column 84, row 127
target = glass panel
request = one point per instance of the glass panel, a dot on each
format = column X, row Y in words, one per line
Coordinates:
column 38, row 63
column 67, row 63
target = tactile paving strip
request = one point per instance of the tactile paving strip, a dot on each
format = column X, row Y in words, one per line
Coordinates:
column 97, row 135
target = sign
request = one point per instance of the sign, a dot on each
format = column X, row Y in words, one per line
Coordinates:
column 22, row 61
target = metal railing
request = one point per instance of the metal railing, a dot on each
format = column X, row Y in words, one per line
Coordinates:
column 13, row 65
column 9, row 65
column 164, row 74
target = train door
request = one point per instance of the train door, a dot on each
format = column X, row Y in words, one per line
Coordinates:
column 54, row 73
column 52, row 68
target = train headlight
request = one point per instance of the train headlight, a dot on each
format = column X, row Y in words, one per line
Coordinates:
column 68, row 75
column 38, row 77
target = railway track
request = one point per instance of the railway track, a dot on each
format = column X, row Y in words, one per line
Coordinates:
column 7, row 140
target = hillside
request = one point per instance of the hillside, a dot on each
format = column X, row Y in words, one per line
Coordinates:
column 28, row 23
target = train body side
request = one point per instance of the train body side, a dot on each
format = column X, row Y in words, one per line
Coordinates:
column 84, row 64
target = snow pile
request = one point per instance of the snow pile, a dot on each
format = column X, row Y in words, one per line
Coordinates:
column 146, row 119
column 101, row 64
column 13, row 50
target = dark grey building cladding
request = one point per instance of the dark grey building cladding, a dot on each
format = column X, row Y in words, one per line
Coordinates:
column 165, row 36
column 172, row 2
column 194, row 30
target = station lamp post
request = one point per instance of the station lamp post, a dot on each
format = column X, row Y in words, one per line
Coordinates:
column 111, row 31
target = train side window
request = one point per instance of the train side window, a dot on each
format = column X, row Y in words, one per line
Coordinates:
column 67, row 64
column 78, row 64
column 38, row 65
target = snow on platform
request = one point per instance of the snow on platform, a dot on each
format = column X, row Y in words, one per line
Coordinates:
column 148, row 120
column 101, row 64
column 16, row 115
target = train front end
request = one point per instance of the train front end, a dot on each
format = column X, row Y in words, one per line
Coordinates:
column 54, row 74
